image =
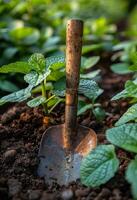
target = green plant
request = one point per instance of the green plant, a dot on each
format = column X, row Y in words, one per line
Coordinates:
column 125, row 56
column 39, row 26
column 132, row 27
column 91, row 95
column 93, row 92
column 38, row 71
column 102, row 163
column 47, row 76
column 130, row 92
column 101, row 29
column 99, row 166
column 125, row 137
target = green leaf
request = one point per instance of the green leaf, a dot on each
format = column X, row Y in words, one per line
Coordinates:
column 37, row 62
column 131, row 88
column 18, row 96
column 89, row 48
column 34, row 79
column 55, row 75
column 120, row 68
column 90, row 75
column 99, row 113
column 59, row 87
column 17, row 67
column 2, row 102
column 36, row 101
column 25, row 35
column 81, row 103
column 60, row 93
column 60, row 84
column 133, row 55
column 55, row 62
column 10, row 52
column 8, row 86
column 129, row 115
column 124, row 136
column 51, row 43
column 52, row 101
column 99, row 166
column 121, row 45
column 84, row 109
column 131, row 176
column 129, row 91
column 38, row 89
column 90, row 62
column 133, row 68
column 89, row 88
column 120, row 95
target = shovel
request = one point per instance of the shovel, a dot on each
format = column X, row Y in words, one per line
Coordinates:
column 63, row 146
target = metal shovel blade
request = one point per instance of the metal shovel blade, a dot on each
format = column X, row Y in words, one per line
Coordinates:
column 56, row 163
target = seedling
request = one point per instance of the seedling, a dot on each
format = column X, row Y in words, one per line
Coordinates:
column 48, row 77
column 101, row 29
column 37, row 71
column 125, row 56
column 129, row 92
column 101, row 165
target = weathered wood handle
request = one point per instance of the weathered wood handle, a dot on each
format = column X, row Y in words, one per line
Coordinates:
column 73, row 59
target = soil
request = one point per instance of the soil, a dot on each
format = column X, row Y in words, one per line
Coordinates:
column 21, row 129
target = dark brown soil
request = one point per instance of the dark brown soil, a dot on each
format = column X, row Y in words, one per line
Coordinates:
column 21, row 129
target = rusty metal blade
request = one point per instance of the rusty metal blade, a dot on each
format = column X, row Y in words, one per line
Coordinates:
column 59, row 165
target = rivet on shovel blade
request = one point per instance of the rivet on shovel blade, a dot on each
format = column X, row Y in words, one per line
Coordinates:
column 63, row 146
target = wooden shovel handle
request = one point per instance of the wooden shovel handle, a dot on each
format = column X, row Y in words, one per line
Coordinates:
column 73, row 59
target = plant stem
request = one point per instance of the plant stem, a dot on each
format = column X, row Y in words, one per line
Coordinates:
column 49, row 98
column 44, row 94
column 55, row 105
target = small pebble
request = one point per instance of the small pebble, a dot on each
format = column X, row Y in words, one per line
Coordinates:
column 14, row 187
column 10, row 154
column 82, row 193
column 34, row 194
column 105, row 193
column 28, row 146
column 25, row 117
column 67, row 194
column 47, row 196
column 116, row 192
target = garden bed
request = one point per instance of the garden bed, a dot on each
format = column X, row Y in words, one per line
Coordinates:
column 21, row 129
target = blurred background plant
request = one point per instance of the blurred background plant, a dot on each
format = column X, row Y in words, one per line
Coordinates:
column 30, row 26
